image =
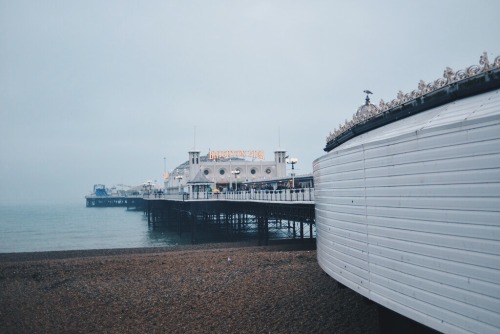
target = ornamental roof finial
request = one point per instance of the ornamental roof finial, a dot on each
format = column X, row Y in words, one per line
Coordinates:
column 367, row 100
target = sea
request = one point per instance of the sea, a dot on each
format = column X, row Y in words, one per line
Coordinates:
column 40, row 227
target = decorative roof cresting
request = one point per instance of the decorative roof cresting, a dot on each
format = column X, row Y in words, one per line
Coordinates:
column 369, row 111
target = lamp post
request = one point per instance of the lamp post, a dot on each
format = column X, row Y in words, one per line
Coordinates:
column 235, row 172
column 147, row 186
column 179, row 177
column 292, row 161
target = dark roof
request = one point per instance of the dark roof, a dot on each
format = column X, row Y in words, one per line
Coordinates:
column 200, row 179
column 475, row 85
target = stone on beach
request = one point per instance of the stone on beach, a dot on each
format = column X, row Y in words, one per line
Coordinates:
column 183, row 290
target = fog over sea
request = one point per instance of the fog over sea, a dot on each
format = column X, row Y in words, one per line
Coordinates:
column 36, row 227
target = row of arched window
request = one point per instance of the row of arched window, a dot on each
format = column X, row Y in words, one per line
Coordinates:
column 222, row 171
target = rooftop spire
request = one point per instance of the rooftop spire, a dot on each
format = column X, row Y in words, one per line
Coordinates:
column 367, row 100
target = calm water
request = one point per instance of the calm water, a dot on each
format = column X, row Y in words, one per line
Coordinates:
column 42, row 227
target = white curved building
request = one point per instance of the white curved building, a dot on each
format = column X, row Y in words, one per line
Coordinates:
column 408, row 203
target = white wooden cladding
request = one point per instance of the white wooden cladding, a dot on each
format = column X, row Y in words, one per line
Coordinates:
column 408, row 215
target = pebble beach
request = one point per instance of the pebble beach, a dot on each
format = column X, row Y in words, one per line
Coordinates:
column 217, row 288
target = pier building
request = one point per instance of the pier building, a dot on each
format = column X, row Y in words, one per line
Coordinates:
column 220, row 171
column 407, row 202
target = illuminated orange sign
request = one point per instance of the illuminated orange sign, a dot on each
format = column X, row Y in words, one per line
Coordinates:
column 213, row 155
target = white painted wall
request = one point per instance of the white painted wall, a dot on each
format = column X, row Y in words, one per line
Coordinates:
column 408, row 215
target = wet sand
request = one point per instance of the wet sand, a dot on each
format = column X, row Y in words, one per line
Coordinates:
column 217, row 288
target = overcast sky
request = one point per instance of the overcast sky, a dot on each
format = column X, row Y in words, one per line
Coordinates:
column 103, row 91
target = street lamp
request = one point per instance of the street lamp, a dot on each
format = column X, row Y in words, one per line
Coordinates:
column 235, row 172
column 292, row 161
column 179, row 177
column 147, row 186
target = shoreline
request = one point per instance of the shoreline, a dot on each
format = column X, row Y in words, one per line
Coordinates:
column 77, row 253
column 208, row 288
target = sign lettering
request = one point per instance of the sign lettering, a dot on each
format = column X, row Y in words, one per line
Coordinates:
column 254, row 154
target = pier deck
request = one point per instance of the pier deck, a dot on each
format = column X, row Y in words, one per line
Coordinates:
column 114, row 201
column 264, row 215
column 264, row 220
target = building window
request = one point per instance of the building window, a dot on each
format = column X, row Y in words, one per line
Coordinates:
column 222, row 171
column 253, row 171
column 206, row 172
column 268, row 171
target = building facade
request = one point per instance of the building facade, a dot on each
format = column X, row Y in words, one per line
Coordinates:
column 225, row 170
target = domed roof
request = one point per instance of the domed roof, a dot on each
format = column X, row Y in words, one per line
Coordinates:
column 366, row 108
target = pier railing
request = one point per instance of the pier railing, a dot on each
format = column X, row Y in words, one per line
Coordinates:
column 283, row 195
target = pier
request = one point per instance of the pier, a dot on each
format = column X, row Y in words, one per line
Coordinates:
column 264, row 215
column 261, row 214
column 135, row 202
